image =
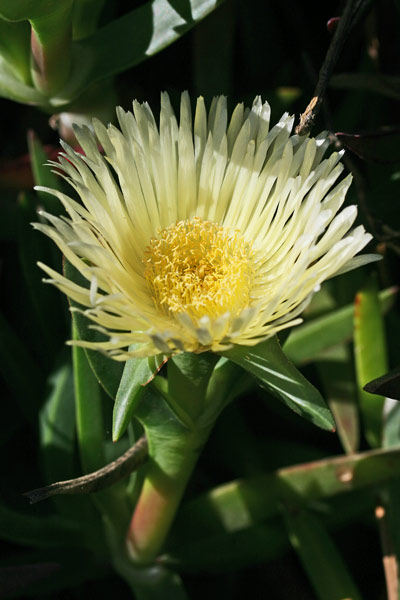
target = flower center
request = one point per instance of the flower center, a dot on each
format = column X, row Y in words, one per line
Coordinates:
column 199, row 268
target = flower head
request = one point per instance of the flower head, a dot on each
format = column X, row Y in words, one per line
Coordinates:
column 197, row 236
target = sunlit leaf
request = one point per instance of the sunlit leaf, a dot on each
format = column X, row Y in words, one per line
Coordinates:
column 136, row 374
column 279, row 376
column 370, row 358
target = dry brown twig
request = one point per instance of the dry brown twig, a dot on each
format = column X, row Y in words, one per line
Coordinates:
column 98, row 480
column 350, row 14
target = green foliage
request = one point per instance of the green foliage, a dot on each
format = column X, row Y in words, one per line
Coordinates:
column 266, row 480
column 278, row 375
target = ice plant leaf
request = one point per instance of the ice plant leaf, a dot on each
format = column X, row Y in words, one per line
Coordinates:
column 370, row 358
column 131, row 39
column 138, row 372
column 279, row 376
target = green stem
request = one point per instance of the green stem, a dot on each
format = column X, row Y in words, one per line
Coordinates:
column 161, row 494
column 201, row 387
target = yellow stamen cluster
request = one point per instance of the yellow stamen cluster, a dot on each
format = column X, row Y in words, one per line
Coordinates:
column 199, row 268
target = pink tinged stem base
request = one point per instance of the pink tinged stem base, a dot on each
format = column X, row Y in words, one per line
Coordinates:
column 158, row 503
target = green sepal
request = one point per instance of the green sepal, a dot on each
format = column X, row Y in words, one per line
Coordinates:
column 279, row 376
column 188, row 378
column 136, row 374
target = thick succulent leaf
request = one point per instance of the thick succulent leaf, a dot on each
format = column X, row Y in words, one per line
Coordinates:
column 243, row 503
column 321, row 560
column 136, row 374
column 370, row 359
column 91, row 433
column 13, row 88
column 308, row 341
column 131, row 39
column 219, row 546
column 279, row 376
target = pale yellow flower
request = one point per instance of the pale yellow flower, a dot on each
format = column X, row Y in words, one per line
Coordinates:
column 195, row 237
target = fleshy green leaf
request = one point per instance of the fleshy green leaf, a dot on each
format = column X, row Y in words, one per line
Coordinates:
column 321, row 560
column 370, row 358
column 13, row 88
column 131, row 39
column 308, row 341
column 91, row 442
column 89, row 414
column 137, row 373
column 279, row 376
column 243, row 503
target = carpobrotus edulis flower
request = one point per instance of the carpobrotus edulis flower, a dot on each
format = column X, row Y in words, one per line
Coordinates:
column 198, row 236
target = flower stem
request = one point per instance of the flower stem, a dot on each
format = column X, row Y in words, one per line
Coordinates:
column 162, row 491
